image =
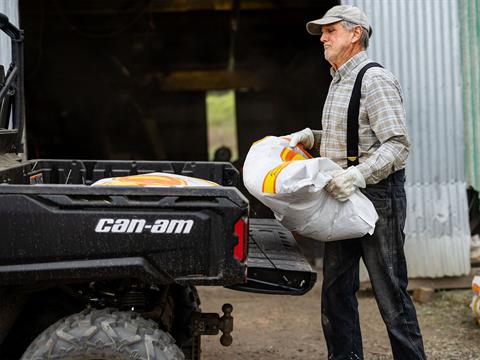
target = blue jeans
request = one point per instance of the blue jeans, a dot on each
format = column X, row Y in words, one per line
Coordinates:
column 384, row 258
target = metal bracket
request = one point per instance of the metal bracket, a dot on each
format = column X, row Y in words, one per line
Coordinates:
column 212, row 324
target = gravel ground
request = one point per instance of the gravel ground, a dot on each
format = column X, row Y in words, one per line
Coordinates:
column 285, row 327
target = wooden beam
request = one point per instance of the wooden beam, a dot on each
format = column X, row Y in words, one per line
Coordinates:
column 446, row 283
column 172, row 6
column 203, row 80
column 226, row 5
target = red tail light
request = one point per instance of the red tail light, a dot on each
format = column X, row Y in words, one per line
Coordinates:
column 241, row 230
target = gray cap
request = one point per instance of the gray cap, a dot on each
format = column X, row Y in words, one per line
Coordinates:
column 339, row 13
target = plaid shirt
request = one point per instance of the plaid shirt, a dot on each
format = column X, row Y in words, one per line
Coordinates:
column 383, row 139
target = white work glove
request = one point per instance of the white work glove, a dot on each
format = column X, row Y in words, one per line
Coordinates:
column 304, row 137
column 345, row 182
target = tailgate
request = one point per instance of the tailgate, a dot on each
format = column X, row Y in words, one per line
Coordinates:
column 275, row 264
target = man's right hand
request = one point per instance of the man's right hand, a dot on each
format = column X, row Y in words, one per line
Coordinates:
column 304, row 137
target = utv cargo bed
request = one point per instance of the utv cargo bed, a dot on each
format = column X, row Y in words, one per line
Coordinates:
column 72, row 231
column 62, row 229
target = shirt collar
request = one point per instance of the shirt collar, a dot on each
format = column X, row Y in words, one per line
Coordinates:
column 351, row 64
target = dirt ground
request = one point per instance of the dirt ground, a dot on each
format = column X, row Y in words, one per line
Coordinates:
column 286, row 327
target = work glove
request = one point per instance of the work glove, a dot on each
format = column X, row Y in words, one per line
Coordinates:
column 345, row 182
column 304, row 137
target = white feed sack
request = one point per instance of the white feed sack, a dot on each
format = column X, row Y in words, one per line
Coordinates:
column 291, row 183
column 156, row 179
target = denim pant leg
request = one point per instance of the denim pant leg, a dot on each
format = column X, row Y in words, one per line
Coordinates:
column 340, row 321
column 384, row 258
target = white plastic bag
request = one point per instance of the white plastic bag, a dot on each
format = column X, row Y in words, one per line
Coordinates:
column 290, row 182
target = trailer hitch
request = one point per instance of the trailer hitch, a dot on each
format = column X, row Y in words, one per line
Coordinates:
column 212, row 324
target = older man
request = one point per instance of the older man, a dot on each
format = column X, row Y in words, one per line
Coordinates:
column 363, row 131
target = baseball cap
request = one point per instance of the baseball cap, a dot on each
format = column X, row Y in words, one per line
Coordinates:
column 339, row 13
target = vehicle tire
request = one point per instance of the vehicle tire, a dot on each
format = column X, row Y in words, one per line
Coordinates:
column 187, row 302
column 103, row 335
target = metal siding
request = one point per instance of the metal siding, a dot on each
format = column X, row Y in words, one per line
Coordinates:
column 9, row 8
column 470, row 43
column 419, row 42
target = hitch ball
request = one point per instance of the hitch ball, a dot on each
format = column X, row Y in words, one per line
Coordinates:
column 212, row 324
column 226, row 325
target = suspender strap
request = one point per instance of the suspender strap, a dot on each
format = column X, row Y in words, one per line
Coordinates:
column 352, row 116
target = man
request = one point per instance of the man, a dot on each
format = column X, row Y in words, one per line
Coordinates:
column 382, row 146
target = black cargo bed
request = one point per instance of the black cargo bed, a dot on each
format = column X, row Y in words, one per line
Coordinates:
column 57, row 228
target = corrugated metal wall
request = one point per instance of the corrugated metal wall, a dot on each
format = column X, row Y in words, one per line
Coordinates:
column 9, row 8
column 469, row 11
column 419, row 42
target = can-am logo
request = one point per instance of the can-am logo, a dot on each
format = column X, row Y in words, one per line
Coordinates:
column 129, row 226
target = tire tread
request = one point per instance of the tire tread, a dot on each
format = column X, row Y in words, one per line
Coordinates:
column 103, row 334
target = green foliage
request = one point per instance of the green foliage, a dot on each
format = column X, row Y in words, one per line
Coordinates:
column 221, row 121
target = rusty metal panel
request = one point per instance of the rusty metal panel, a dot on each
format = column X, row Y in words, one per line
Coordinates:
column 469, row 11
column 9, row 8
column 419, row 41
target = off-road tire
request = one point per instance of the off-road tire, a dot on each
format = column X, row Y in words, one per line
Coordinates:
column 103, row 335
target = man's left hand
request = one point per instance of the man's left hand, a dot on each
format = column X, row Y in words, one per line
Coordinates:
column 345, row 182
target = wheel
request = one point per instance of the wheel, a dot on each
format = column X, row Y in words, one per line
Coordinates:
column 103, row 335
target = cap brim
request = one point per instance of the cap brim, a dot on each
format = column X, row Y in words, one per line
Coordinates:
column 315, row 27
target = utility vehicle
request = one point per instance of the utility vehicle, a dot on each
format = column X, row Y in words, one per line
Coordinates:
column 110, row 272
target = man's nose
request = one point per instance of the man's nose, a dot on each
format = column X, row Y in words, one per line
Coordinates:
column 322, row 38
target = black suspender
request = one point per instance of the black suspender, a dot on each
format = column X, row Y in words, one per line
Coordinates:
column 352, row 117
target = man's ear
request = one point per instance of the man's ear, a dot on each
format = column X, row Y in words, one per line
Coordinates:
column 357, row 33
